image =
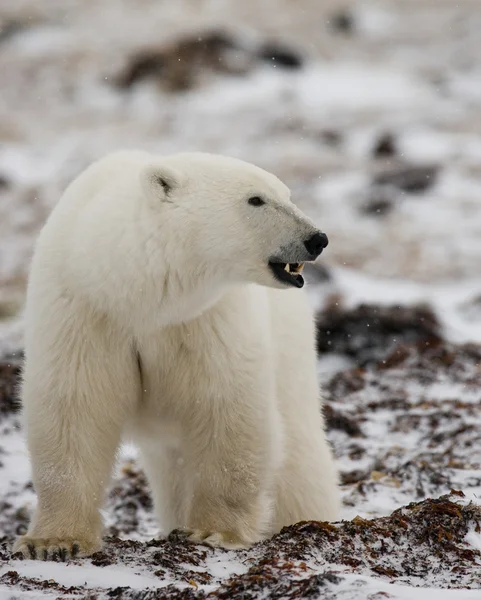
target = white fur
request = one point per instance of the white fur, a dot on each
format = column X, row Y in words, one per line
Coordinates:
column 151, row 312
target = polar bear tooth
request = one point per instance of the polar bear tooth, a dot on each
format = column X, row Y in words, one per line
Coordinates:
column 296, row 268
column 287, row 268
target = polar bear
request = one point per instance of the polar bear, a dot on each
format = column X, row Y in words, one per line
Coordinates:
column 163, row 305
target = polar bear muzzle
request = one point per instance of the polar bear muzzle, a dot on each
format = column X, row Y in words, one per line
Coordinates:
column 290, row 272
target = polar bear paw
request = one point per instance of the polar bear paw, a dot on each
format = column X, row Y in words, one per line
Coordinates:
column 228, row 540
column 56, row 549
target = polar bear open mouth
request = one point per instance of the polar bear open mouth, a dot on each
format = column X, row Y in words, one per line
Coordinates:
column 288, row 272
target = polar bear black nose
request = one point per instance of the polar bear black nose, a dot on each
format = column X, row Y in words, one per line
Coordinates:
column 316, row 243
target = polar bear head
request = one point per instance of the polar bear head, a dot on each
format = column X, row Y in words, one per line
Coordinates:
column 225, row 219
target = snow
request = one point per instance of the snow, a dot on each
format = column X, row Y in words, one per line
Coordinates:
column 366, row 588
column 87, row 576
column 6, row 594
column 473, row 538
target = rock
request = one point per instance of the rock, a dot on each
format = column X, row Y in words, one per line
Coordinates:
column 384, row 193
column 385, row 146
column 411, row 179
column 278, row 55
column 178, row 65
column 10, row 28
column 9, row 309
column 5, row 183
column 336, row 420
column 368, row 332
column 342, row 21
column 9, row 380
column 379, row 203
column 331, row 137
column 143, row 65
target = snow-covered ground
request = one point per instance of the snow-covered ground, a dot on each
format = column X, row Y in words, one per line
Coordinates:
column 378, row 135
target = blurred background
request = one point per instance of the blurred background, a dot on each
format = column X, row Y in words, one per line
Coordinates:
column 369, row 111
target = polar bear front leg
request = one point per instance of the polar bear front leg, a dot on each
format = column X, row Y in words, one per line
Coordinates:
column 77, row 394
column 232, row 457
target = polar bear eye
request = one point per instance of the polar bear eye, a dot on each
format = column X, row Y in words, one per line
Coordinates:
column 256, row 201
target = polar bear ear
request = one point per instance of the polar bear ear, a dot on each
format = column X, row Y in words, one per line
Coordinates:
column 158, row 181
